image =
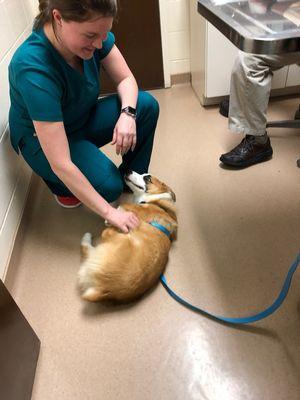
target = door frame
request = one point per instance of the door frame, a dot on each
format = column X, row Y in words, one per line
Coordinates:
column 163, row 12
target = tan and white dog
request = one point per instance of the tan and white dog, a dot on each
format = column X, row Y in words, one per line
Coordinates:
column 124, row 266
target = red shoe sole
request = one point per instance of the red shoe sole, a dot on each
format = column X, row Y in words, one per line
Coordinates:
column 67, row 202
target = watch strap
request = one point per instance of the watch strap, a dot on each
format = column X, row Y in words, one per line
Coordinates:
column 129, row 111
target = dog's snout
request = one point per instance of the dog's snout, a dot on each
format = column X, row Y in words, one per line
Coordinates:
column 128, row 172
column 147, row 178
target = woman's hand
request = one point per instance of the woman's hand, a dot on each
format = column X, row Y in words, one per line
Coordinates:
column 121, row 219
column 124, row 134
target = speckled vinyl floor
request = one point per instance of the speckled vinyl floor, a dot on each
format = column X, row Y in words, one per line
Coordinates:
column 238, row 233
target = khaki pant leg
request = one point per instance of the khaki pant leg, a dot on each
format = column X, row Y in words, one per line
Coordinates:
column 250, row 88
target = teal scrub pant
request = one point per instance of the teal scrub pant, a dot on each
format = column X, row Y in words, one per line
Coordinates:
column 100, row 171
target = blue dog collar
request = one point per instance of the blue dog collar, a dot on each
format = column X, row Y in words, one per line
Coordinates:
column 161, row 228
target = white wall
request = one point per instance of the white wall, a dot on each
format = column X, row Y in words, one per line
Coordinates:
column 16, row 18
column 179, row 36
column 175, row 30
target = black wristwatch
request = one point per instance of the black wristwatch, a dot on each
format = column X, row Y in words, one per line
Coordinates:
column 129, row 111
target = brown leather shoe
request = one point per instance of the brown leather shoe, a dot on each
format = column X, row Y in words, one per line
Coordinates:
column 247, row 153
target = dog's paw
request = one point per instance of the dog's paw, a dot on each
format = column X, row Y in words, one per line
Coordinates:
column 92, row 294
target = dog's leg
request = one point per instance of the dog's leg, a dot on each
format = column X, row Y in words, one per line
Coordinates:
column 86, row 245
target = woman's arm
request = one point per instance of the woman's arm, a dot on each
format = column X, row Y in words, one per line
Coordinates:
column 125, row 130
column 55, row 145
column 117, row 68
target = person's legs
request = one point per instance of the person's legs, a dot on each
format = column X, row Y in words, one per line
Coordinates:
column 97, row 168
column 104, row 176
column 104, row 118
column 249, row 97
column 249, row 94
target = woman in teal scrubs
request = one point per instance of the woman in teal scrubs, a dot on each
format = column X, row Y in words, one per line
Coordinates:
column 57, row 121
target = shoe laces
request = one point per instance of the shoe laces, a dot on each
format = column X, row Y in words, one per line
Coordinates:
column 248, row 142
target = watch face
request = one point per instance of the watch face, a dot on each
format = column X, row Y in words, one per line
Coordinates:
column 132, row 110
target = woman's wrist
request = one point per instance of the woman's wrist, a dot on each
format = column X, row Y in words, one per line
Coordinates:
column 106, row 211
column 130, row 111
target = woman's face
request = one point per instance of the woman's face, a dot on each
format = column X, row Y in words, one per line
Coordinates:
column 83, row 38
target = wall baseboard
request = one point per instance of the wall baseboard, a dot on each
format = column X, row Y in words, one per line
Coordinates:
column 13, row 218
column 180, row 78
column 14, row 261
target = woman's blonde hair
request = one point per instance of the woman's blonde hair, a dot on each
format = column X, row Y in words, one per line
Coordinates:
column 74, row 10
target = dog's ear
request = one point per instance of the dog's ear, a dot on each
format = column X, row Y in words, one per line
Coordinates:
column 173, row 235
column 172, row 195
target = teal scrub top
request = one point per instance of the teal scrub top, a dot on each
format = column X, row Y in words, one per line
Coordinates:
column 44, row 87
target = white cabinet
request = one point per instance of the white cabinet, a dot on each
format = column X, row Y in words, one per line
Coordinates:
column 212, row 59
column 220, row 55
column 14, row 180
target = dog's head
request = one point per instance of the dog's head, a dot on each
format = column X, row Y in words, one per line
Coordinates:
column 147, row 188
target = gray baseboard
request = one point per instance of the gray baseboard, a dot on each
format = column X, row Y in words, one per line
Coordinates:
column 180, row 78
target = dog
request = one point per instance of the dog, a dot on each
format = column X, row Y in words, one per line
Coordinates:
column 126, row 265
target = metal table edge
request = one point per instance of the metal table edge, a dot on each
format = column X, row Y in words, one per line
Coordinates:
column 250, row 45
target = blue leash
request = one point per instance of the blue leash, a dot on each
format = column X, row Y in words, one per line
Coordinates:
column 245, row 320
